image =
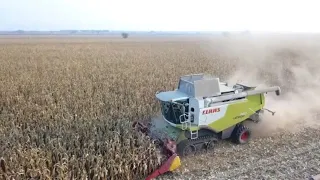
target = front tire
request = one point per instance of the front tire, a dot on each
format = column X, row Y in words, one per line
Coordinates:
column 241, row 134
column 186, row 148
column 189, row 150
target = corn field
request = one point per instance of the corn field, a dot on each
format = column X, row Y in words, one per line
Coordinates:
column 67, row 104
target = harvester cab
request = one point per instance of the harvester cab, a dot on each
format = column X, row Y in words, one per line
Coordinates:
column 201, row 111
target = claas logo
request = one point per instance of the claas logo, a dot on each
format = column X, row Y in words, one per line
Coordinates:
column 211, row 111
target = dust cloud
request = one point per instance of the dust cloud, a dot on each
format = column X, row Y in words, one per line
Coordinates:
column 291, row 62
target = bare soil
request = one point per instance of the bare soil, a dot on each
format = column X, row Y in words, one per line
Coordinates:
column 281, row 156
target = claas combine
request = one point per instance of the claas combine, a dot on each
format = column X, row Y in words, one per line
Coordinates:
column 200, row 112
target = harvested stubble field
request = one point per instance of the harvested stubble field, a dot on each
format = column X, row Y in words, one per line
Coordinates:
column 67, row 103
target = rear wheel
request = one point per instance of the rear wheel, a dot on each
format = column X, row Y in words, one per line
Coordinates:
column 241, row 134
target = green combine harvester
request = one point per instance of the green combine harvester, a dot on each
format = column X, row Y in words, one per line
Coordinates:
column 201, row 111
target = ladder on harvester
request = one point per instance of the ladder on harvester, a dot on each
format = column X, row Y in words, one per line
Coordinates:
column 185, row 121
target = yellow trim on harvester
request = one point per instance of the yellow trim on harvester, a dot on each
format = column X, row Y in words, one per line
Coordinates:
column 175, row 163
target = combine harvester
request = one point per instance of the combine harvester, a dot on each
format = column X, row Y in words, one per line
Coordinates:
column 200, row 112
